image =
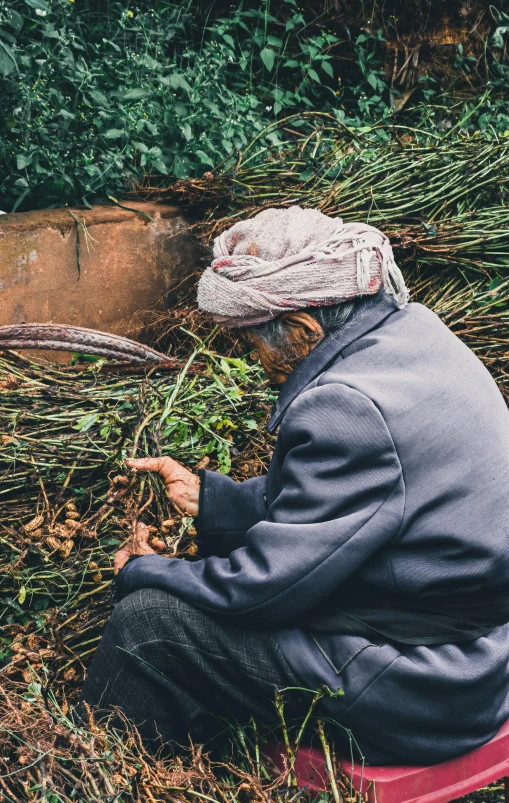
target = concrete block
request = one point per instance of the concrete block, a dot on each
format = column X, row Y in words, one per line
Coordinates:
column 128, row 264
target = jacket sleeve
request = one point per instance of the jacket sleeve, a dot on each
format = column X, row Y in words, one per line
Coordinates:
column 227, row 510
column 341, row 499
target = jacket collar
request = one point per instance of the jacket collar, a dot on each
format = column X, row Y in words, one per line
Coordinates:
column 368, row 315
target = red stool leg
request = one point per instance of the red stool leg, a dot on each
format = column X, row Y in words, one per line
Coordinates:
column 506, row 789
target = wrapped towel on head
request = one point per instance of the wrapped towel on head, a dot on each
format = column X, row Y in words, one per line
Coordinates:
column 289, row 259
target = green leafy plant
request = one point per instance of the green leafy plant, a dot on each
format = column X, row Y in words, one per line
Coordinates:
column 99, row 99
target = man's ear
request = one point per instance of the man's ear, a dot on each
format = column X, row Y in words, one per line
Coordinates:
column 310, row 328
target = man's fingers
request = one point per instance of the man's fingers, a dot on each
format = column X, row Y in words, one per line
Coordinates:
column 120, row 559
column 158, row 544
column 141, row 533
column 142, row 530
column 182, row 486
column 145, row 463
column 166, row 467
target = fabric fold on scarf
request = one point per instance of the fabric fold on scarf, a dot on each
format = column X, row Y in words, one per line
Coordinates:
column 293, row 258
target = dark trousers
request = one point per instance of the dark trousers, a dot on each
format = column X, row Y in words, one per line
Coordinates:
column 173, row 670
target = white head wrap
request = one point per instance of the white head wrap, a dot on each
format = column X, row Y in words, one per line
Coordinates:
column 288, row 259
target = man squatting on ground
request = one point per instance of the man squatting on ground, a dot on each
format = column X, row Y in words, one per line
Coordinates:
column 372, row 557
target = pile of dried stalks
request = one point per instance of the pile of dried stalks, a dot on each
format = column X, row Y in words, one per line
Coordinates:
column 398, row 178
column 47, row 756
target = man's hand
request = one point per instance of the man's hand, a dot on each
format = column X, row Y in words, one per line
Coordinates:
column 138, row 546
column 182, row 486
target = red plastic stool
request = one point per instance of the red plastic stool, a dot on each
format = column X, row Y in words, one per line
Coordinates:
column 440, row 783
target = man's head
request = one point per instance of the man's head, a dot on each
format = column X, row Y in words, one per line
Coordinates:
column 287, row 277
column 284, row 341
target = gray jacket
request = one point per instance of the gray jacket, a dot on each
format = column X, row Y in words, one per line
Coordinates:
column 390, row 476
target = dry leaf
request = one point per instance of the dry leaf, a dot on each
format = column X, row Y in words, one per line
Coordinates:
column 28, row 674
column 10, row 382
column 70, row 673
column 47, row 653
column 25, row 756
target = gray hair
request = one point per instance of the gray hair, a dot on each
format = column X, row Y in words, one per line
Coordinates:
column 331, row 319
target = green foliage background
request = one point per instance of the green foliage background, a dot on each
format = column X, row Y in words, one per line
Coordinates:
column 94, row 96
column 93, row 99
